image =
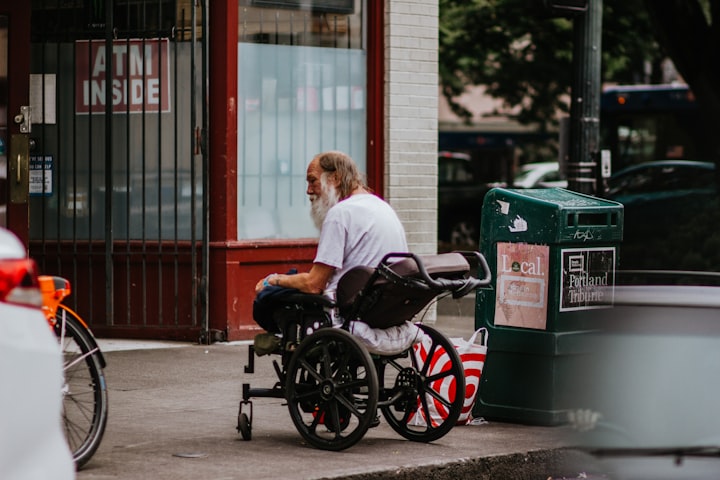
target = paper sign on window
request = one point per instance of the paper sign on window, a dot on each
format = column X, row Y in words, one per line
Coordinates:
column 140, row 70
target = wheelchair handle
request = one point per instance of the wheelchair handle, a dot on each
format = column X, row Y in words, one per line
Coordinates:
column 482, row 264
column 464, row 285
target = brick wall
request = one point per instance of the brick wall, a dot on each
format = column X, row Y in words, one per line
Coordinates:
column 411, row 108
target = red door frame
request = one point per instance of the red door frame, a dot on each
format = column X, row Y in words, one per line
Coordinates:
column 18, row 13
column 376, row 97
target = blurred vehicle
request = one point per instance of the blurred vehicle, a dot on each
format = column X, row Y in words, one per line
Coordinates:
column 32, row 444
column 662, row 182
column 460, row 199
column 649, row 393
column 663, row 200
column 641, row 123
column 539, row 175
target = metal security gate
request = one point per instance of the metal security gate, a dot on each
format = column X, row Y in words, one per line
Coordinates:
column 118, row 189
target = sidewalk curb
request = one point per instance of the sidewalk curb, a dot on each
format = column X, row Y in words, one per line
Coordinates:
column 533, row 465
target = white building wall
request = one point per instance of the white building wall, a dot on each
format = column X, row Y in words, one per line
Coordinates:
column 411, row 112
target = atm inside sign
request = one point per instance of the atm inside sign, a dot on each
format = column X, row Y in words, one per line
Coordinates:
column 140, row 76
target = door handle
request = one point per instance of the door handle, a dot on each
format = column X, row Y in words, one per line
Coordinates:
column 19, row 169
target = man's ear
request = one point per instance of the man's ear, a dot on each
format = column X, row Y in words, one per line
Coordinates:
column 334, row 179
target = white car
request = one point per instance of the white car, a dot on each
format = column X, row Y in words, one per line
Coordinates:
column 32, row 444
column 539, row 175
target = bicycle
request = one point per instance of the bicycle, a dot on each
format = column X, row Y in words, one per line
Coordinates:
column 85, row 396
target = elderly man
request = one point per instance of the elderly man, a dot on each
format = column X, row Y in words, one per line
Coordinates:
column 356, row 227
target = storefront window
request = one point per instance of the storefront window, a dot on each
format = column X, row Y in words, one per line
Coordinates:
column 302, row 75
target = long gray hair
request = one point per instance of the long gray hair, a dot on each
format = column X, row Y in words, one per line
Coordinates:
column 346, row 170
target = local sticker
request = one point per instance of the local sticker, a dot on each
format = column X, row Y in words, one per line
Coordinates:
column 588, row 278
column 522, row 285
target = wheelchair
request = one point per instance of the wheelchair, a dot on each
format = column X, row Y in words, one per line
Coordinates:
column 334, row 384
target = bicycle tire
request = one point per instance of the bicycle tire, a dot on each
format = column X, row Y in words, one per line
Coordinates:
column 85, row 396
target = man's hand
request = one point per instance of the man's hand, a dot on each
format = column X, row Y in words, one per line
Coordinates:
column 313, row 281
column 265, row 282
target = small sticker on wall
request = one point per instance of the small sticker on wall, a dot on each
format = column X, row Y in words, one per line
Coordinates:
column 41, row 174
column 504, row 206
column 519, row 224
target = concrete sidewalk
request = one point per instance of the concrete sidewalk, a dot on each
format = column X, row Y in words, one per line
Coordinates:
column 173, row 411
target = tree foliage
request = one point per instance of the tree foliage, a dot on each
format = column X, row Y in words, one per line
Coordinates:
column 523, row 55
column 687, row 32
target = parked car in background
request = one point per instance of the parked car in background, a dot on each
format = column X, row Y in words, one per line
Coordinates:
column 671, row 212
column 460, row 198
column 32, row 444
column 539, row 175
column 649, row 393
column 662, row 182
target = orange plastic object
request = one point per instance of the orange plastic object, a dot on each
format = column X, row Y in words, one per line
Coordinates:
column 53, row 290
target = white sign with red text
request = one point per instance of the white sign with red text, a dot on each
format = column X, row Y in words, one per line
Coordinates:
column 140, row 76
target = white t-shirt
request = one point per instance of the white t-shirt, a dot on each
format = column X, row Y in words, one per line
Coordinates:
column 359, row 230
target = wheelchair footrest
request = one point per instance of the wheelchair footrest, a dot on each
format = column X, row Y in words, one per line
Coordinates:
column 276, row 391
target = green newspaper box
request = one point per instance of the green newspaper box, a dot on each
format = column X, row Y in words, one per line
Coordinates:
column 553, row 255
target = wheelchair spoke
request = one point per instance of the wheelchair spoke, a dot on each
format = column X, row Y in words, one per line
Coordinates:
column 311, row 370
column 429, row 362
column 351, row 387
column 351, row 406
column 335, row 419
column 436, row 395
column 309, row 395
column 406, row 416
column 426, row 413
column 327, row 359
column 438, row 376
column 343, row 362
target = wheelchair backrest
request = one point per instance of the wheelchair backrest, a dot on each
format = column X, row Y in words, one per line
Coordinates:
column 383, row 298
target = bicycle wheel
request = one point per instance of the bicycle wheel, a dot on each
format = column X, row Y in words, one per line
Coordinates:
column 85, row 398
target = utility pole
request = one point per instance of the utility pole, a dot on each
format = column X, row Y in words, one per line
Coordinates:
column 583, row 164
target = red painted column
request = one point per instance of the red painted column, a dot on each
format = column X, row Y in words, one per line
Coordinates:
column 376, row 98
column 222, row 144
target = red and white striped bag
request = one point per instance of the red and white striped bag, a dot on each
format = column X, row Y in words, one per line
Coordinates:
column 472, row 355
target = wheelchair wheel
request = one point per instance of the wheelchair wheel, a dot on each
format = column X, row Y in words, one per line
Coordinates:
column 429, row 392
column 331, row 389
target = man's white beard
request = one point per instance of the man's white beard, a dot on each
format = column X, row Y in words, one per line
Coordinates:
column 320, row 205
